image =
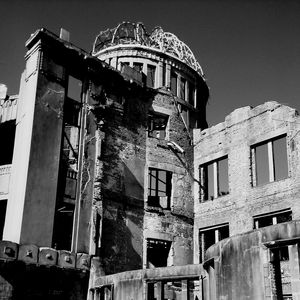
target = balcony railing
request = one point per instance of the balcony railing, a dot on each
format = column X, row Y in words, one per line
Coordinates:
column 5, row 171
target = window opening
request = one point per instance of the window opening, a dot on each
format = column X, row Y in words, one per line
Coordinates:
column 185, row 115
column 106, row 292
column 160, row 185
column 163, row 74
column 269, row 161
column 74, row 88
column 3, row 204
column 211, row 236
column 7, row 133
column 157, row 253
column 66, row 193
column 186, row 288
column 138, row 66
column 182, row 88
column 174, row 83
column 272, row 219
column 214, row 179
column 191, row 97
column 151, row 76
column 280, row 272
column 157, row 124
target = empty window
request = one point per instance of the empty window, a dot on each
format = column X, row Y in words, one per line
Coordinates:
column 138, row 66
column 185, row 115
column 269, row 161
column 74, row 88
column 280, row 273
column 191, row 96
column 3, row 204
column 151, row 76
column 7, row 133
column 272, row 218
column 160, row 185
column 157, row 253
column 174, row 83
column 106, row 292
column 185, row 288
column 214, row 179
column 157, row 124
column 210, row 236
column 182, row 88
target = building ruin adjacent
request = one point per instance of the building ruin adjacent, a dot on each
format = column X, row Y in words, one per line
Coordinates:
column 112, row 186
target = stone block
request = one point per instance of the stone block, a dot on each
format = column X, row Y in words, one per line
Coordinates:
column 66, row 259
column 48, row 256
column 83, row 261
column 28, row 254
column 8, row 250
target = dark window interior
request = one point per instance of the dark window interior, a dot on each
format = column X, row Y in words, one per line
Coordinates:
column 159, row 188
column 210, row 180
column 157, row 124
column 7, row 134
column 3, row 204
column 174, row 83
column 151, row 76
column 157, row 252
column 268, row 220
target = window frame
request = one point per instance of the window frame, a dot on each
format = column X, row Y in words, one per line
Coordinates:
column 155, row 200
column 204, row 181
column 274, row 215
column 271, row 160
column 217, row 237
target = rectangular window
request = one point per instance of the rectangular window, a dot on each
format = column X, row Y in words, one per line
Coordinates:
column 7, row 134
column 214, row 179
column 210, row 236
column 3, row 204
column 138, row 67
column 174, row 83
column 272, row 218
column 182, row 88
column 151, row 76
column 157, row 253
column 280, row 272
column 191, row 96
column 74, row 88
column 269, row 161
column 177, row 289
column 157, row 124
column 159, row 188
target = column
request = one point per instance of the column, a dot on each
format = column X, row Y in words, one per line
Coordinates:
column 294, row 270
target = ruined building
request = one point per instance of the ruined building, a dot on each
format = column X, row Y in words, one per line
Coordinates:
column 113, row 187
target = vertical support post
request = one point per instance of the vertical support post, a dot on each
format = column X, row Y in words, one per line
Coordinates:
column 294, row 270
column 216, row 175
column 217, row 235
column 160, row 291
column 168, row 75
column 184, row 290
column 160, row 74
column 271, row 162
column 253, row 167
column 178, row 85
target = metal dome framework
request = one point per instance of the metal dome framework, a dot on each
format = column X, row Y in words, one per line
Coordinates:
column 128, row 33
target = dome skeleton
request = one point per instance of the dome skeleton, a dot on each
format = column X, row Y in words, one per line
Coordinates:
column 131, row 33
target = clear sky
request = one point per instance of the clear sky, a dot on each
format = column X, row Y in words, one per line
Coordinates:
column 249, row 50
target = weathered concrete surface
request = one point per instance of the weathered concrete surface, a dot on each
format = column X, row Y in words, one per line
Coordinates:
column 239, row 262
column 131, row 284
column 242, row 128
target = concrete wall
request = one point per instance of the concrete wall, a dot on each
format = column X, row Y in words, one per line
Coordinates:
column 242, row 128
column 241, row 264
column 132, row 284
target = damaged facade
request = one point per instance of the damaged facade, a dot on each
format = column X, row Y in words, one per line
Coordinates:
column 113, row 187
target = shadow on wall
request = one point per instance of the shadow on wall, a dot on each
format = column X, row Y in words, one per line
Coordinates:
column 122, row 241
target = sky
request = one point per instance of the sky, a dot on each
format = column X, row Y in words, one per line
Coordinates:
column 249, row 50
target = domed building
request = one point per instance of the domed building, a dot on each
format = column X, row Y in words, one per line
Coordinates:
column 162, row 59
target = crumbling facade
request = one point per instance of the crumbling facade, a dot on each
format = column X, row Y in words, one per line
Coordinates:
column 113, row 187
